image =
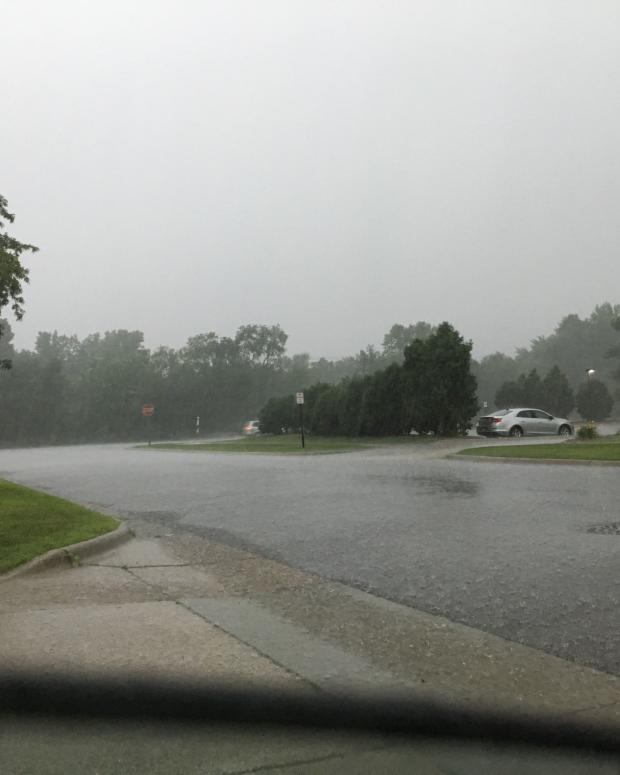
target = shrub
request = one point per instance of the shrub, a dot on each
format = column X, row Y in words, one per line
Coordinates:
column 324, row 418
column 382, row 407
column 587, row 431
column 278, row 415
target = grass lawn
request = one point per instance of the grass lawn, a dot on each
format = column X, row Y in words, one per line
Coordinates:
column 606, row 448
column 31, row 523
column 291, row 444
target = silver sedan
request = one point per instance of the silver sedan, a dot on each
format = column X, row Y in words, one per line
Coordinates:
column 523, row 422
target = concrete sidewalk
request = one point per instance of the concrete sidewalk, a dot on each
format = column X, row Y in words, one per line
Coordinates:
column 184, row 606
column 121, row 611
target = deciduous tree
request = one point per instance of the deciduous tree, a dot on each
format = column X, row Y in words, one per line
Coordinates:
column 13, row 273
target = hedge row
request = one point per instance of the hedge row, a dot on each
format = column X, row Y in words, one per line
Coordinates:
column 432, row 392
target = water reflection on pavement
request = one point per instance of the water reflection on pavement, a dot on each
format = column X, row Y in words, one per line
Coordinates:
column 502, row 548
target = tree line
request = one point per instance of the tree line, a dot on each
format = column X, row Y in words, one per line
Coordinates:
column 70, row 390
column 575, row 346
column 592, row 399
column 92, row 389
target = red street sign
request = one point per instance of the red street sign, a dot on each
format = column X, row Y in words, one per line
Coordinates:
column 148, row 410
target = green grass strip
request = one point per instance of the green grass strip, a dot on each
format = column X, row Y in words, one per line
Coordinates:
column 32, row 523
column 292, row 444
column 601, row 449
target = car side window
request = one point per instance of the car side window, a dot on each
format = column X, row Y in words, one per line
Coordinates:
column 541, row 415
column 524, row 413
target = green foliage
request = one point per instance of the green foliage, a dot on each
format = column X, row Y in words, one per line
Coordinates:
column 558, row 397
column 6, row 348
column 13, row 274
column 399, row 336
column 552, row 394
column 587, row 431
column 370, row 359
column 67, row 390
column 614, row 352
column 603, row 448
column 279, row 415
column 510, row 394
column 382, row 412
column 576, row 344
column 527, row 390
column 289, row 444
column 439, row 389
column 594, row 401
column 321, row 409
column 533, row 388
column 261, row 345
column 491, row 373
column 433, row 392
column 350, row 405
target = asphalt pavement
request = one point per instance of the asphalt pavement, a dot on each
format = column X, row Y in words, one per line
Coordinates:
column 504, row 549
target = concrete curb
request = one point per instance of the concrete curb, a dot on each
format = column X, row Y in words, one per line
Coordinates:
column 72, row 555
column 540, row 460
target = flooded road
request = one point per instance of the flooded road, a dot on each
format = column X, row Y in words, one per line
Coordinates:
column 504, row 548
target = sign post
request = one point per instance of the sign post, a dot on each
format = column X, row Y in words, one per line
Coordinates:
column 198, row 425
column 299, row 398
column 148, row 410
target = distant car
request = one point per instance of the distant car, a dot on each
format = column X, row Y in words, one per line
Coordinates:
column 251, row 428
column 523, row 422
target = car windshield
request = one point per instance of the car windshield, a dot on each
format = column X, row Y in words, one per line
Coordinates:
column 265, row 267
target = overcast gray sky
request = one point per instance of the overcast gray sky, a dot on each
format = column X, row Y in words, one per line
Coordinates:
column 334, row 167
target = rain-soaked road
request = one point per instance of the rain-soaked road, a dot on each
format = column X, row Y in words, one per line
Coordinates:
column 504, row 548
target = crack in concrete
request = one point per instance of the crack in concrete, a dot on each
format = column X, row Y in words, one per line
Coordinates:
column 159, row 589
column 173, row 599
column 297, row 762
column 286, row 765
column 128, row 567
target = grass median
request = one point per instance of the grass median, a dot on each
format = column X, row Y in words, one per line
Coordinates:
column 291, row 444
column 606, row 448
column 32, row 523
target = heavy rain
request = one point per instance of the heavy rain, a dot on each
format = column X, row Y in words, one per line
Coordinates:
column 310, row 380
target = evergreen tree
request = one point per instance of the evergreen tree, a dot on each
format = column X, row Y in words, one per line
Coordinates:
column 559, row 398
column 594, row 401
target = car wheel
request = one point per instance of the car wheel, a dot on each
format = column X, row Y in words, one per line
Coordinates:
column 565, row 431
column 516, row 432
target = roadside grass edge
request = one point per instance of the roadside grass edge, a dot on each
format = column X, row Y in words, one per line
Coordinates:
column 33, row 523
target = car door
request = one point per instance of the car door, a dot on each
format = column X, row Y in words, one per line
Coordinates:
column 545, row 424
column 524, row 419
